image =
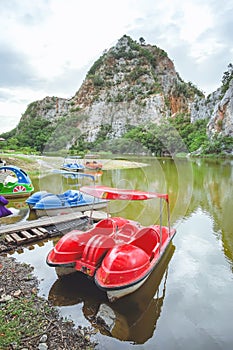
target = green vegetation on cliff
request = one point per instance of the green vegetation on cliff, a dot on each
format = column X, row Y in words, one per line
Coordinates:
column 172, row 136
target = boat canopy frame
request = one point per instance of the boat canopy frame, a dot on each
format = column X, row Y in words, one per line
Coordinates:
column 21, row 175
column 111, row 193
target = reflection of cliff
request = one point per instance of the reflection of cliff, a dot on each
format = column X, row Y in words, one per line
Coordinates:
column 132, row 318
column 227, row 227
column 213, row 193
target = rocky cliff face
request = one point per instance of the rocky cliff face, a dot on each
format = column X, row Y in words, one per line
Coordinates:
column 50, row 108
column 221, row 120
column 202, row 108
column 133, row 84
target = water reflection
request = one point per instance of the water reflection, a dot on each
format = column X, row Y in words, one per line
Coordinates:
column 191, row 184
column 132, row 318
column 56, row 182
column 198, row 295
column 213, row 192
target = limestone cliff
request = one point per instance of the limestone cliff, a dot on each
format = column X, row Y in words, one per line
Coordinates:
column 221, row 120
column 130, row 84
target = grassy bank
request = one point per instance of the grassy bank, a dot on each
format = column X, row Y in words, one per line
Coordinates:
column 30, row 164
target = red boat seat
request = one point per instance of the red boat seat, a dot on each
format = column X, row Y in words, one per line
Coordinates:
column 108, row 226
column 104, row 227
column 165, row 232
column 96, row 248
column 126, row 233
column 147, row 239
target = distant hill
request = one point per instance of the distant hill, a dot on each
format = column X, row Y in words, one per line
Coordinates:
column 131, row 84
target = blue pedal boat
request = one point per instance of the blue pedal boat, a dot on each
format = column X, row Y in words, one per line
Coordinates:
column 45, row 203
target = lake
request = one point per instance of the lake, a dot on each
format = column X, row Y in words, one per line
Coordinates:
column 187, row 303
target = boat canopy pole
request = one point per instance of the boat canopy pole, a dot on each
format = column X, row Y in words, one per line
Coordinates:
column 168, row 219
column 92, row 208
column 160, row 224
column 108, row 213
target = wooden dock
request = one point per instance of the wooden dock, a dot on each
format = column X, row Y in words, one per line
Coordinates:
column 46, row 227
column 22, row 237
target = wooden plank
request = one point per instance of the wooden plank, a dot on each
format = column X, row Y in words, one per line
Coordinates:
column 42, row 229
column 27, row 235
column 9, row 239
column 37, row 232
column 17, row 238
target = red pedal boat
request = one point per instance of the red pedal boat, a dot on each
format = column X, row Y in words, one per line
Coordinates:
column 119, row 254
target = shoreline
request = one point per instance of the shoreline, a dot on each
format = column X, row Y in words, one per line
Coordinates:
column 31, row 322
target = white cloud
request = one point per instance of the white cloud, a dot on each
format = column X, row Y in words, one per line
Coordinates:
column 47, row 46
column 197, row 18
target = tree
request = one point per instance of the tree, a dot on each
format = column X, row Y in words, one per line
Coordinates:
column 142, row 41
column 227, row 76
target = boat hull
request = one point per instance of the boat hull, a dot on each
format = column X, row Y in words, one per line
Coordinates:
column 69, row 210
column 98, row 167
column 122, row 291
column 64, row 271
column 17, row 186
column 116, row 294
column 17, row 195
column 93, row 165
column 45, row 203
column 118, row 254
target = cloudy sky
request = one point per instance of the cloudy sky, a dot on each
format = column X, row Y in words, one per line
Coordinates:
column 47, row 46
